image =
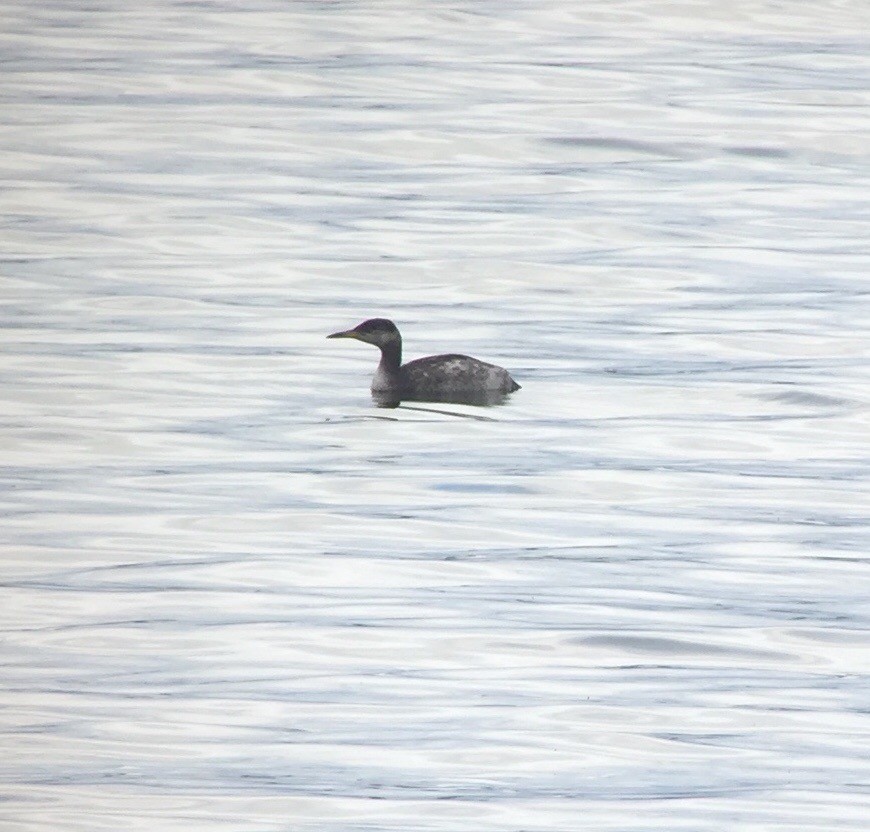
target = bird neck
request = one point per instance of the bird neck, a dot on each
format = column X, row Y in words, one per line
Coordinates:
column 391, row 356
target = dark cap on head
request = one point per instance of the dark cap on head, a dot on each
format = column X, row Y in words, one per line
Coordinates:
column 373, row 331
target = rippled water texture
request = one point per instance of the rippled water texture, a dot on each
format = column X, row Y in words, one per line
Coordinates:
column 235, row 595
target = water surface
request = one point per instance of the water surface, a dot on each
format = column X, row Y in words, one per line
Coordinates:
column 236, row 595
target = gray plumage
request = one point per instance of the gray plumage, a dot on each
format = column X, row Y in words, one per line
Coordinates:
column 437, row 378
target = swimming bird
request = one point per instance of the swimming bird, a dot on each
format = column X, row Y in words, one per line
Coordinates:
column 437, row 378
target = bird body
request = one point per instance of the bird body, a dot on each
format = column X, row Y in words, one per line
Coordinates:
column 436, row 378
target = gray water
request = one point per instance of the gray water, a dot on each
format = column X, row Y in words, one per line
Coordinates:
column 235, row 595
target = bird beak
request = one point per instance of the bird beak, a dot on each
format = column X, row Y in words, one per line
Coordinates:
column 348, row 333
